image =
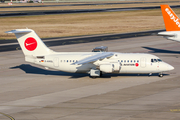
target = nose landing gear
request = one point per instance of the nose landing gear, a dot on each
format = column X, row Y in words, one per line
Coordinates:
column 160, row 75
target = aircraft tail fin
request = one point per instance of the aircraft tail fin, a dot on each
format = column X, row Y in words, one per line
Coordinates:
column 31, row 45
column 171, row 20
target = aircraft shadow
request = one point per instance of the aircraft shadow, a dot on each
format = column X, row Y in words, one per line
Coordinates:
column 35, row 70
column 137, row 75
column 29, row 69
column 155, row 50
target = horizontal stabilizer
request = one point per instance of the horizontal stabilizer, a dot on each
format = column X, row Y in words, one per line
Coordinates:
column 20, row 31
column 171, row 35
column 167, row 34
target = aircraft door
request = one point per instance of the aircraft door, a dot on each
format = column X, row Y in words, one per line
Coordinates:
column 143, row 62
column 56, row 62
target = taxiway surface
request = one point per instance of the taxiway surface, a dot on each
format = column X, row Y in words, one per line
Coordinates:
column 51, row 12
column 29, row 92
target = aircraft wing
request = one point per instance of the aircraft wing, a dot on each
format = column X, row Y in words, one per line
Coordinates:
column 94, row 58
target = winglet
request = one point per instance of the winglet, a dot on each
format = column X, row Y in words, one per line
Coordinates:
column 171, row 20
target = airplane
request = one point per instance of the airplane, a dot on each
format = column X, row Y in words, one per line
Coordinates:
column 172, row 24
column 93, row 63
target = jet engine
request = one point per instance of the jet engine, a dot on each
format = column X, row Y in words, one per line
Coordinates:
column 109, row 68
column 116, row 66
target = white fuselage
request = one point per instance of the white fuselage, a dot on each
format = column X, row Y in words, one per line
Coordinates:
column 129, row 62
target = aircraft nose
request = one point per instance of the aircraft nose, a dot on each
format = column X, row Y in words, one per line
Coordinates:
column 170, row 67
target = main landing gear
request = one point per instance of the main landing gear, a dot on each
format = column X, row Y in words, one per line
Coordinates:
column 100, row 75
column 94, row 73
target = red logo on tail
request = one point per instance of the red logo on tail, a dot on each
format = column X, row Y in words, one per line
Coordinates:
column 30, row 44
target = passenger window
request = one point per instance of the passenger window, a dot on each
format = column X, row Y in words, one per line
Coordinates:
column 67, row 60
column 134, row 60
column 121, row 60
column 70, row 61
column 131, row 60
column 124, row 60
column 137, row 60
column 128, row 61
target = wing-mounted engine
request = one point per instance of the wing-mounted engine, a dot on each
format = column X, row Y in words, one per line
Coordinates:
column 107, row 68
column 111, row 67
column 116, row 66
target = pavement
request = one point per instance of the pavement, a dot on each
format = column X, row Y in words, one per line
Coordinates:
column 11, row 45
column 30, row 92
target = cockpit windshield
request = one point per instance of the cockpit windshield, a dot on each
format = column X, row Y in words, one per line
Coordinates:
column 156, row 60
column 159, row 60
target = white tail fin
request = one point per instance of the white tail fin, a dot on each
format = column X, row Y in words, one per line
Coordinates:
column 30, row 43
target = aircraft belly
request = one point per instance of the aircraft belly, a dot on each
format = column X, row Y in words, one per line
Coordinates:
column 133, row 69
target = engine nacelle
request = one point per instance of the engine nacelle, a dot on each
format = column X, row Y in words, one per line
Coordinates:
column 116, row 66
column 109, row 68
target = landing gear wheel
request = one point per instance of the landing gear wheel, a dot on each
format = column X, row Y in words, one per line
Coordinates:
column 161, row 75
column 150, row 74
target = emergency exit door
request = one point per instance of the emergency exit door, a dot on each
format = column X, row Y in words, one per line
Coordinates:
column 56, row 62
column 143, row 62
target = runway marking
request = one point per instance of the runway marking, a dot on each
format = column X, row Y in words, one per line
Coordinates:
column 10, row 117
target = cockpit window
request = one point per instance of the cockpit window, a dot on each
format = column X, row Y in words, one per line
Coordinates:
column 156, row 60
column 152, row 60
column 159, row 60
